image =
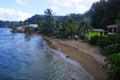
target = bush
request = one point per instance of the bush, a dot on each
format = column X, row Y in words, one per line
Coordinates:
column 94, row 40
column 114, row 39
column 108, row 40
column 112, row 66
column 117, row 39
column 102, row 42
column 30, row 30
column 57, row 34
column 111, row 49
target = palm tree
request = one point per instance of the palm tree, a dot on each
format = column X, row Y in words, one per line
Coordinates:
column 84, row 28
column 69, row 26
column 49, row 21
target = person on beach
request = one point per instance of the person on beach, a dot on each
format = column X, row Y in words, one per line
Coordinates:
column 76, row 37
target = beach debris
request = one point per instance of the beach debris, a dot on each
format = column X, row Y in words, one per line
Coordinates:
column 67, row 56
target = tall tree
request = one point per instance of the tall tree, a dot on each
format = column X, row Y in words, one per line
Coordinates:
column 98, row 12
column 83, row 28
column 49, row 21
column 118, row 23
column 105, row 13
column 69, row 26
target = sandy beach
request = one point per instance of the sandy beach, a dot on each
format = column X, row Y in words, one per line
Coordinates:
column 86, row 55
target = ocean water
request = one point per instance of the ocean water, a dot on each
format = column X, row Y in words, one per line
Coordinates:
column 28, row 57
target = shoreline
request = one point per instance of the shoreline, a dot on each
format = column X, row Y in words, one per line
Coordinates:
column 88, row 62
column 75, row 66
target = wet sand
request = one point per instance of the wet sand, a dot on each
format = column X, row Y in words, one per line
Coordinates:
column 86, row 55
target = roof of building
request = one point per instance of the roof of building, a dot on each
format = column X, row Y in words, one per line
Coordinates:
column 112, row 26
column 99, row 30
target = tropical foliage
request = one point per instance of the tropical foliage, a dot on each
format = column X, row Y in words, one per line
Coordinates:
column 49, row 22
column 108, row 40
column 118, row 22
column 84, row 28
column 59, row 28
column 93, row 40
column 104, row 12
column 112, row 66
column 111, row 49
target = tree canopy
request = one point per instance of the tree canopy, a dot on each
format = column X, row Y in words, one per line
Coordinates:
column 104, row 12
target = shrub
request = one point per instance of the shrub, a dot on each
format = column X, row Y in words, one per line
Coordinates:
column 117, row 39
column 94, row 40
column 112, row 66
column 111, row 39
column 108, row 40
column 102, row 42
column 114, row 39
column 111, row 49
column 30, row 30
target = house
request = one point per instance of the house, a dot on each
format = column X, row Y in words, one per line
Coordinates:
column 33, row 25
column 100, row 32
column 96, row 32
column 21, row 28
column 112, row 29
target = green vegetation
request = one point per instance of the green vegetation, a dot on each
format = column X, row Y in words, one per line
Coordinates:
column 102, row 42
column 110, row 47
column 93, row 40
column 112, row 66
column 104, row 12
column 118, row 22
column 92, row 34
column 31, row 30
column 69, row 27
column 84, row 28
column 49, row 22
column 108, row 40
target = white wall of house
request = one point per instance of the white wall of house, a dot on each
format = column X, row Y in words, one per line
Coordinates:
column 33, row 25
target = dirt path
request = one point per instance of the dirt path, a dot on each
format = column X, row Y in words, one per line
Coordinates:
column 87, row 55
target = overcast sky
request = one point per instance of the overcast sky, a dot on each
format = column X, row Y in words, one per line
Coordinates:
column 15, row 10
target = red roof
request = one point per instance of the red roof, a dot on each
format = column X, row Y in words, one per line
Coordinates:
column 112, row 25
